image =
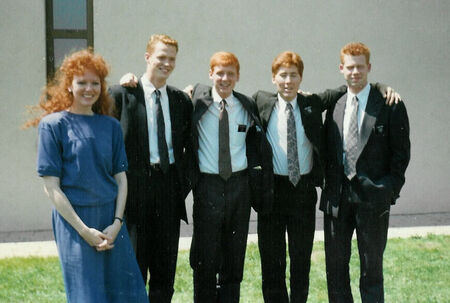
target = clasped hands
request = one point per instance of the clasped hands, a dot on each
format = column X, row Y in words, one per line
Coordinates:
column 104, row 240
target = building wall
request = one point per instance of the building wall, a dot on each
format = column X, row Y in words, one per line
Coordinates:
column 409, row 41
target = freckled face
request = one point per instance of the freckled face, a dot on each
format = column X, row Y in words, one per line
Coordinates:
column 86, row 89
column 224, row 78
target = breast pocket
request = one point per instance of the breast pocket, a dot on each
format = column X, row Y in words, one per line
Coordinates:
column 238, row 133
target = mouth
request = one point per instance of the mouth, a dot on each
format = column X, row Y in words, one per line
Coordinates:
column 165, row 70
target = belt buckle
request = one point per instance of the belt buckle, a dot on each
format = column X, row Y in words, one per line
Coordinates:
column 155, row 166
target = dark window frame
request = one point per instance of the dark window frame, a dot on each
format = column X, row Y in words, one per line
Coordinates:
column 52, row 34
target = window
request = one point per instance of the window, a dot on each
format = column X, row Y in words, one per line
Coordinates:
column 69, row 27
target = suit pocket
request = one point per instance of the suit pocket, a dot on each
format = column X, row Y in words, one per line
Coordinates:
column 376, row 191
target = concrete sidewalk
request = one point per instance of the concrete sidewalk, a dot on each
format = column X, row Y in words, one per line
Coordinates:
column 48, row 248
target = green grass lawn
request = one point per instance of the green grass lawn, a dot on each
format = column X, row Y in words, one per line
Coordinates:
column 416, row 270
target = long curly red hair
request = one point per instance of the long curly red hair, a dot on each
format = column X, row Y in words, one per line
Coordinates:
column 56, row 96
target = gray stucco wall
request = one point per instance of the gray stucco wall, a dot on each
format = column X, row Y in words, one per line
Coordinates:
column 409, row 41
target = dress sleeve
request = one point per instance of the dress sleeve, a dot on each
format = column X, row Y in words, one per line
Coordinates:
column 120, row 162
column 49, row 160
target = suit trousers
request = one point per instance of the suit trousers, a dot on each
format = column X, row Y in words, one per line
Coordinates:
column 371, row 221
column 156, row 235
column 221, row 218
column 297, row 218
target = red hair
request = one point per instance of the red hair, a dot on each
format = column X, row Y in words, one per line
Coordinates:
column 287, row 59
column 56, row 96
column 355, row 49
column 224, row 59
column 154, row 39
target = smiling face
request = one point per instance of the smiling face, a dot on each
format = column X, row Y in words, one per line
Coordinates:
column 224, row 78
column 355, row 70
column 287, row 80
column 85, row 89
column 160, row 63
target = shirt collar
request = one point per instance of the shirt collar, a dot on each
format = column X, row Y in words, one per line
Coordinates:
column 283, row 103
column 217, row 98
column 363, row 95
column 150, row 88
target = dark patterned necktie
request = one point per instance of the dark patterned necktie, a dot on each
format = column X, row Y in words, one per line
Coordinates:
column 351, row 142
column 162, row 144
column 225, row 169
column 292, row 152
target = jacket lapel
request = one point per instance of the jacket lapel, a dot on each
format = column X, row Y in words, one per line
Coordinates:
column 267, row 109
column 201, row 105
column 338, row 117
column 373, row 106
column 142, row 121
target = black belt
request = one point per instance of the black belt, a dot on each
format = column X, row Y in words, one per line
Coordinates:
column 234, row 174
column 157, row 167
column 306, row 179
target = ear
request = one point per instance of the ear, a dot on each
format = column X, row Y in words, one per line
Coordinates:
column 210, row 74
column 146, row 56
column 341, row 67
column 369, row 67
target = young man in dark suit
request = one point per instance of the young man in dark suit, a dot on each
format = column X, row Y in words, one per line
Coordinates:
column 294, row 128
column 368, row 151
column 229, row 148
column 156, row 122
column 293, row 124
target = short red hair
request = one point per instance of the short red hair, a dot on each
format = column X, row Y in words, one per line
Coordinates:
column 287, row 59
column 355, row 49
column 154, row 39
column 224, row 59
column 56, row 96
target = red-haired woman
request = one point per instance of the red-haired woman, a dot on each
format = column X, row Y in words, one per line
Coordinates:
column 81, row 157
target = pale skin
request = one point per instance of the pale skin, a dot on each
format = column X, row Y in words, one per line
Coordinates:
column 85, row 90
column 130, row 80
column 160, row 64
column 101, row 240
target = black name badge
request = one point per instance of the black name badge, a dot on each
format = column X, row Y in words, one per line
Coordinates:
column 242, row 128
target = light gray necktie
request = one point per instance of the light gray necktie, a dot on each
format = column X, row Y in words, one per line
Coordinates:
column 292, row 152
column 225, row 169
column 351, row 142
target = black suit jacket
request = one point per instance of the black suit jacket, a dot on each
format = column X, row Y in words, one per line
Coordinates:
column 130, row 110
column 383, row 153
column 311, row 113
column 259, row 153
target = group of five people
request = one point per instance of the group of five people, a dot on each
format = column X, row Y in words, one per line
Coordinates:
column 269, row 152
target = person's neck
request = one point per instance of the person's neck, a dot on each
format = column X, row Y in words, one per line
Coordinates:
column 81, row 110
column 157, row 83
column 356, row 90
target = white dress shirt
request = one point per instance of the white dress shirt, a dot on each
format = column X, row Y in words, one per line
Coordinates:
column 277, row 136
column 150, row 107
column 239, row 122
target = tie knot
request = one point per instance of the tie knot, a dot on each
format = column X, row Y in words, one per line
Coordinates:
column 289, row 106
column 355, row 99
column 222, row 104
column 157, row 93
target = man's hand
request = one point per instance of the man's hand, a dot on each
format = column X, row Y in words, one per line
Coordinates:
column 389, row 93
column 128, row 80
column 188, row 90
